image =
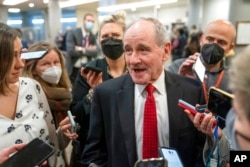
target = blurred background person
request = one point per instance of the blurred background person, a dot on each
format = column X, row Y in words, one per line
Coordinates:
column 178, row 43
column 111, row 33
column 81, row 46
column 24, row 42
column 192, row 46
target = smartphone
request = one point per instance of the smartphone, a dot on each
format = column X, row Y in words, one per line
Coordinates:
column 33, row 154
column 185, row 105
column 199, row 69
column 91, row 68
column 152, row 162
column 219, row 103
column 72, row 122
column 172, row 156
column 201, row 108
column 34, row 54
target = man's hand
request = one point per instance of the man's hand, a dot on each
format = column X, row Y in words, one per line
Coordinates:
column 206, row 124
column 186, row 67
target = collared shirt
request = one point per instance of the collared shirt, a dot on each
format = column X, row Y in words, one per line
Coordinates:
column 160, row 95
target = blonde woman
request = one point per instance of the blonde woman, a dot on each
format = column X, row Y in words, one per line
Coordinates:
column 112, row 65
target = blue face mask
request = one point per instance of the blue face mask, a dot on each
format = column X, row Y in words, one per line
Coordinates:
column 89, row 25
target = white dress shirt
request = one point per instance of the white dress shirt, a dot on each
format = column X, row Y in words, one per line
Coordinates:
column 160, row 95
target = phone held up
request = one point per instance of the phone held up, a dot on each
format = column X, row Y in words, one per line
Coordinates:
column 185, row 105
column 74, row 125
column 33, row 154
column 219, row 103
column 199, row 69
column 88, row 68
column 172, row 156
column 34, row 55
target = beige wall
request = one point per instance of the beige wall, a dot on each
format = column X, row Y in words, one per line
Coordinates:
column 81, row 11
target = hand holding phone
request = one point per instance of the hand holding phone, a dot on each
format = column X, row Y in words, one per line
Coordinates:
column 199, row 69
column 33, row 154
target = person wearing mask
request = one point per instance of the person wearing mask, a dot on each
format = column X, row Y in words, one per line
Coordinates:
column 80, row 46
column 50, row 72
column 217, row 40
column 24, row 109
column 121, row 131
column 111, row 33
column 235, row 135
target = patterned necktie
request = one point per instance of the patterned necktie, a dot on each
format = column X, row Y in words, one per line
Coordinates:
column 150, row 135
column 85, row 41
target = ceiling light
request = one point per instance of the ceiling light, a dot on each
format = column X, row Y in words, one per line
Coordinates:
column 14, row 10
column 45, row 1
column 13, row 2
column 133, row 9
column 31, row 5
column 114, row 8
column 16, row 22
column 75, row 3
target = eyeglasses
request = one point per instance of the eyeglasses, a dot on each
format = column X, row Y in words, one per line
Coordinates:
column 242, row 135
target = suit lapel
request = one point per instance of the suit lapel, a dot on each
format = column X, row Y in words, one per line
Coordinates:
column 174, row 92
column 125, row 98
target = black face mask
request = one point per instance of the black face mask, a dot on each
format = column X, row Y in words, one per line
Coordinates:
column 112, row 48
column 212, row 53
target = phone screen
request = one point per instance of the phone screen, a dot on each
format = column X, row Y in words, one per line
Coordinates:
column 219, row 103
column 34, row 55
column 33, row 154
column 171, row 156
column 199, row 69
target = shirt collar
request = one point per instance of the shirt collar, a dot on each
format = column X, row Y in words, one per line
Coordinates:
column 159, row 84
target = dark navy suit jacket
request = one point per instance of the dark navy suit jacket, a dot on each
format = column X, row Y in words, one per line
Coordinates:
column 111, row 140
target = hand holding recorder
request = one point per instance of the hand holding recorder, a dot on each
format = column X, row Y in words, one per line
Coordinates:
column 206, row 125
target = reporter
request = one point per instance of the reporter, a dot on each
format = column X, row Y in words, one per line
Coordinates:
column 112, row 64
column 24, row 109
column 236, row 134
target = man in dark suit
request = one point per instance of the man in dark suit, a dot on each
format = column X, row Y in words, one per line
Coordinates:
column 117, row 115
column 81, row 46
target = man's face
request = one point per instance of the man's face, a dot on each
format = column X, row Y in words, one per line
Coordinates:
column 219, row 33
column 144, row 58
column 89, row 22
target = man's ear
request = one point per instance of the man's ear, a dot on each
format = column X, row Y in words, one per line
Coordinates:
column 167, row 51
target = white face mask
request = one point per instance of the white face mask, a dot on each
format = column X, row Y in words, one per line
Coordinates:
column 52, row 75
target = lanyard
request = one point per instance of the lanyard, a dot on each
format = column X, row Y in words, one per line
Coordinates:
column 217, row 84
column 215, row 146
